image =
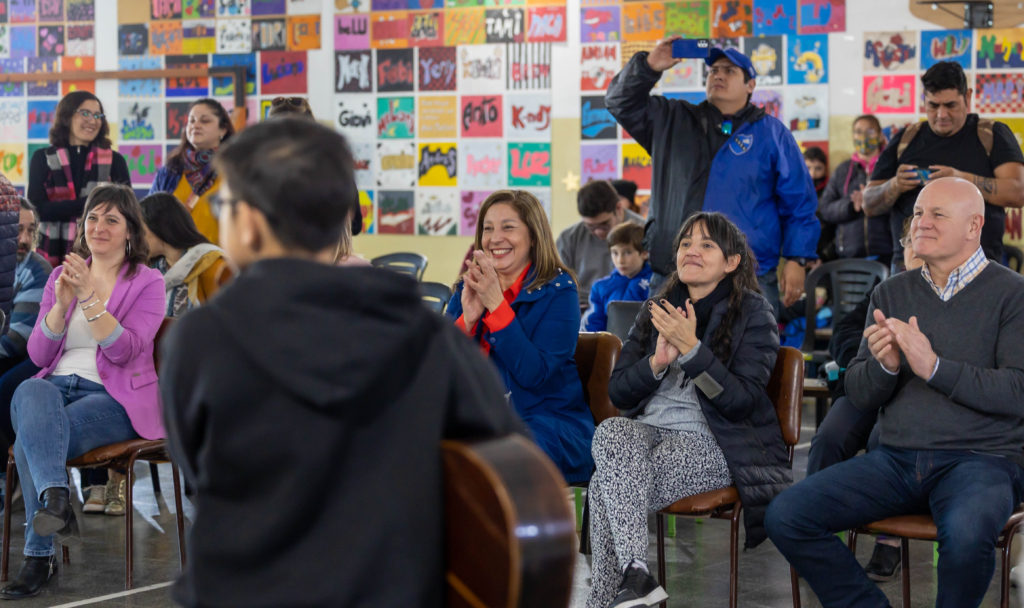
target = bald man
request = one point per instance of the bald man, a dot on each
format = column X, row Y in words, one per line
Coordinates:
column 943, row 360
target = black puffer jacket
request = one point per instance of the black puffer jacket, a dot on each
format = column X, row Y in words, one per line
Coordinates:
column 10, row 208
column 857, row 235
column 742, row 417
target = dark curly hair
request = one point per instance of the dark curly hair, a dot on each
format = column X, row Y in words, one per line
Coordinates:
column 731, row 241
column 60, row 131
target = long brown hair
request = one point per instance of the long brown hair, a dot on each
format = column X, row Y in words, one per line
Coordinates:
column 122, row 198
column 731, row 241
column 543, row 253
column 174, row 159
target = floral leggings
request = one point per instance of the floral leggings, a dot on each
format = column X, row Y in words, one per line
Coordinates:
column 641, row 468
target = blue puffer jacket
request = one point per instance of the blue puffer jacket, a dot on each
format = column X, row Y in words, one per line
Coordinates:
column 10, row 209
column 612, row 288
column 756, row 175
column 534, row 356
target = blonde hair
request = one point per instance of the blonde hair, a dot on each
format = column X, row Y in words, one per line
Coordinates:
column 344, row 248
column 543, row 253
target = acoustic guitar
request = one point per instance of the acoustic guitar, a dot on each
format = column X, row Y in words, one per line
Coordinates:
column 509, row 531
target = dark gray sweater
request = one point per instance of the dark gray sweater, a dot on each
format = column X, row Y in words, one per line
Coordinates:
column 975, row 401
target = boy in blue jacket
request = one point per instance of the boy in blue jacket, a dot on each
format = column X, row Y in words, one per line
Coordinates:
column 629, row 280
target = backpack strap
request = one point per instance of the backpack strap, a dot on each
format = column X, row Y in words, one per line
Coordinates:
column 908, row 136
column 985, row 127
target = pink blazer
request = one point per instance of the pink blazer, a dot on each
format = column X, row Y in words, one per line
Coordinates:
column 125, row 365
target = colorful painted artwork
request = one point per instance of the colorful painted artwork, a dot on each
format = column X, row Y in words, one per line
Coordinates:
column 731, row 18
column 767, row 53
column 528, row 117
column 999, row 93
column 438, row 164
column 775, row 17
column 396, row 209
column 945, row 45
column 806, row 111
column 396, row 117
column 437, row 211
column 821, row 16
column 808, row 59
column 529, row 164
column 1000, row 49
column 599, row 162
column 889, row 94
column 355, row 117
column 890, row 51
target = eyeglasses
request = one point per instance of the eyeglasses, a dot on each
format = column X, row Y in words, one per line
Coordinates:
column 217, row 203
column 86, row 114
column 298, row 102
column 906, row 241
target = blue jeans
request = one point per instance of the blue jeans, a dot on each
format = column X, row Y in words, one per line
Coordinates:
column 769, row 284
column 55, row 419
column 970, row 496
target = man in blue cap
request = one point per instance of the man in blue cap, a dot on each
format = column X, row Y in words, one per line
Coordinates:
column 725, row 155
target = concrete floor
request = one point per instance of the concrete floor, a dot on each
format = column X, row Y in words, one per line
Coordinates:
column 698, row 560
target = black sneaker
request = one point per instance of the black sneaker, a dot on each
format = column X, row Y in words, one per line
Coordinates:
column 638, row 588
column 884, row 563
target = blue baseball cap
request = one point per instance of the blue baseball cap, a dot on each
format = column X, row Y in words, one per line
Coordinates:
column 737, row 58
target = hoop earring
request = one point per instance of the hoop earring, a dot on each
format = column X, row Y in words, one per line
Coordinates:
column 128, row 249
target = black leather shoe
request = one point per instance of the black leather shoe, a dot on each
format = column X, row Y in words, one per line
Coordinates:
column 56, row 515
column 884, row 563
column 35, row 572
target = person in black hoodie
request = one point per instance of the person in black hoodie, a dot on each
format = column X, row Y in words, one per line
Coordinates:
column 305, row 403
column 691, row 383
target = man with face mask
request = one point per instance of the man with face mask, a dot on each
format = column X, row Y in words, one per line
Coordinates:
column 953, row 143
column 724, row 154
column 842, row 202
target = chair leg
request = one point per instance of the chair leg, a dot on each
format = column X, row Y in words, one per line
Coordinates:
column 794, row 580
column 155, row 476
column 12, row 473
column 734, row 555
column 852, row 541
column 585, row 528
column 65, row 554
column 129, row 524
column 905, row 570
column 1004, row 576
column 660, row 519
column 179, row 513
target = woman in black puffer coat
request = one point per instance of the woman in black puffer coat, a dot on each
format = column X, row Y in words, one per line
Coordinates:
column 691, row 383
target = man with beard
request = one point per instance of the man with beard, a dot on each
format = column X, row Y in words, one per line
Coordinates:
column 29, row 279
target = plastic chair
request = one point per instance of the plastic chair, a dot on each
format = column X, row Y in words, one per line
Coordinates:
column 621, row 315
column 412, row 264
column 1014, row 257
column 785, row 388
column 850, row 282
column 435, row 295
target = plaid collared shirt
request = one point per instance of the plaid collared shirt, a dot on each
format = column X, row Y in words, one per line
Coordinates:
column 960, row 277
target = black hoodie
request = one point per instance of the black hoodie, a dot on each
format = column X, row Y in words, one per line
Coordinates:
column 305, row 404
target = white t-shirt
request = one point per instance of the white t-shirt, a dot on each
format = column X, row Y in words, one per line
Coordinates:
column 79, row 355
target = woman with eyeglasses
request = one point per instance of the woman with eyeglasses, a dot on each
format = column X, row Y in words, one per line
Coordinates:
column 62, row 176
column 189, row 173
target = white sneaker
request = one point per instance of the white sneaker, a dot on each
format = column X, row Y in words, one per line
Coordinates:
column 1017, row 576
column 96, row 501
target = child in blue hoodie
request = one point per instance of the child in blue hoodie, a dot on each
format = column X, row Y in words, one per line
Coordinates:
column 630, row 280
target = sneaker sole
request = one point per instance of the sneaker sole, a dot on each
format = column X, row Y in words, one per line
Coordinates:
column 883, row 578
column 93, row 508
column 651, row 599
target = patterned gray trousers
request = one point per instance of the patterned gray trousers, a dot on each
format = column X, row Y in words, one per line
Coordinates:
column 640, row 469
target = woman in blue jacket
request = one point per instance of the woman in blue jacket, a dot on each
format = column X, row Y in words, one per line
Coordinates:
column 691, row 383
column 519, row 302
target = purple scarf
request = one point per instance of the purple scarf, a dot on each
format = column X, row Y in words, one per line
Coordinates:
column 198, row 169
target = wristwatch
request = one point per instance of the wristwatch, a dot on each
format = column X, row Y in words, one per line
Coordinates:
column 799, row 260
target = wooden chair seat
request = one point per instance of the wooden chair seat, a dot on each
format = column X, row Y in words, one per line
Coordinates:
column 116, row 452
column 922, row 527
column 706, row 503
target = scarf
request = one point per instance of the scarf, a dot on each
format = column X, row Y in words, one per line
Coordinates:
column 61, row 184
column 703, row 307
column 867, row 164
column 198, row 169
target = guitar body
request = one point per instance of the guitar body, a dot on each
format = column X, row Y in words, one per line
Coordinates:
column 509, row 532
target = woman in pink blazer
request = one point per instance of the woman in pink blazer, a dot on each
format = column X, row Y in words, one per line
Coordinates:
column 93, row 339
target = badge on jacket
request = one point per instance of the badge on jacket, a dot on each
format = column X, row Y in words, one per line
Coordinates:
column 741, row 143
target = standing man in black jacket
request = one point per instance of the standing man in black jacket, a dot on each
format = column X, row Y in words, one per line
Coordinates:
column 306, row 403
column 724, row 154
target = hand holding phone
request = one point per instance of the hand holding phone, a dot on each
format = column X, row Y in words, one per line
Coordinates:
column 923, row 174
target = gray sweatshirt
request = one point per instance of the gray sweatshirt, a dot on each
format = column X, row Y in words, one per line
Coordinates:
column 975, row 400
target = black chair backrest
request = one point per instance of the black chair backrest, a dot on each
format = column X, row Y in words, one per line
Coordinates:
column 435, row 295
column 621, row 314
column 850, row 281
column 412, row 264
column 1014, row 257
